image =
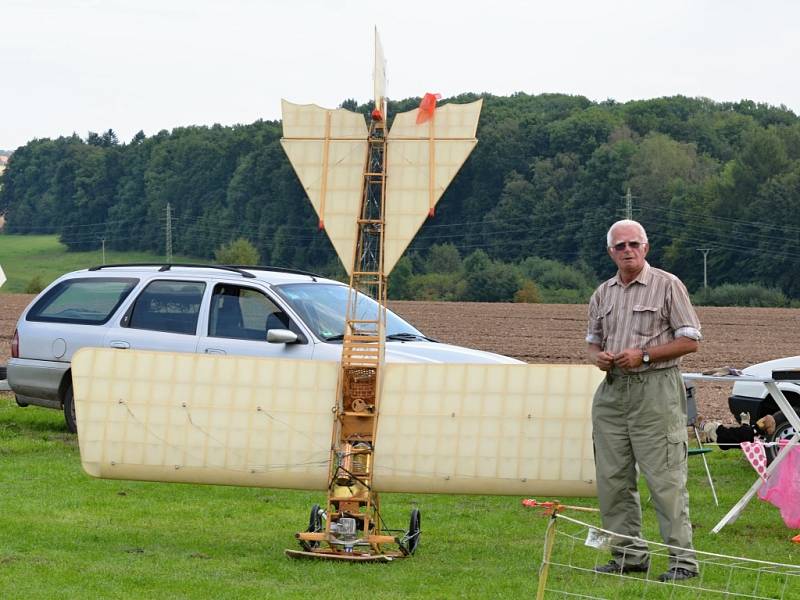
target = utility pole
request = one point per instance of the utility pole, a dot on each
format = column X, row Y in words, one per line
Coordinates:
column 169, row 233
column 103, row 240
column 705, row 252
column 628, row 210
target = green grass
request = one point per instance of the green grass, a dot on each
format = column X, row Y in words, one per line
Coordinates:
column 66, row 535
column 25, row 258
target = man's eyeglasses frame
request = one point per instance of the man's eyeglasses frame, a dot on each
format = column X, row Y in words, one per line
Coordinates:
column 620, row 247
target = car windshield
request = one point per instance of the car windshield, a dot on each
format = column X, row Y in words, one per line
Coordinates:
column 322, row 306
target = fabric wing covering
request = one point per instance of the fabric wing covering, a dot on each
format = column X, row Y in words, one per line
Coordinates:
column 421, row 162
column 328, row 150
column 248, row 421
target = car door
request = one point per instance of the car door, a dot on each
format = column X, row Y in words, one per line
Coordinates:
column 238, row 319
column 164, row 316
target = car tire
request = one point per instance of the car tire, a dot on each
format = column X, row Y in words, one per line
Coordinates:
column 3, row 373
column 783, row 431
column 69, row 410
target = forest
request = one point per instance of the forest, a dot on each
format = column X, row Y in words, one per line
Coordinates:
column 716, row 184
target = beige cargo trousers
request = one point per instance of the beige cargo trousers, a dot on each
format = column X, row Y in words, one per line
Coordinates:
column 640, row 418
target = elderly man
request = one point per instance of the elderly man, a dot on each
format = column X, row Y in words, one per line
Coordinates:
column 641, row 322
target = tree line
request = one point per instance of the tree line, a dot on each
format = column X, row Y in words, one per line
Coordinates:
column 711, row 181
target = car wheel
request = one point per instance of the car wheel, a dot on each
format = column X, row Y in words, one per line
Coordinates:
column 3, row 373
column 69, row 410
column 783, row 431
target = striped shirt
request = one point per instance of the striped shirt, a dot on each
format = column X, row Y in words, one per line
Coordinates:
column 651, row 310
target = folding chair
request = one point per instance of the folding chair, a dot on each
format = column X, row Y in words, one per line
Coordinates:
column 691, row 421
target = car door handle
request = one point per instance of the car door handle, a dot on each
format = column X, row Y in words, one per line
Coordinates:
column 120, row 345
column 215, row 351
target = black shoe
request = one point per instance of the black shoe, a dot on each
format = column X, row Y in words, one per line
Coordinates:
column 613, row 567
column 677, row 574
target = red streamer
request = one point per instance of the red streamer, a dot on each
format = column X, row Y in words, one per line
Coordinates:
column 427, row 107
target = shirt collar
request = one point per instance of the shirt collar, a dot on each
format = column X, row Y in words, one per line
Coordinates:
column 644, row 276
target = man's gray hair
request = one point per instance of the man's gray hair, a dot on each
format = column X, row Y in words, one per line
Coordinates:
column 622, row 223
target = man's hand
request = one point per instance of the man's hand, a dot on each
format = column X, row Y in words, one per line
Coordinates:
column 630, row 358
column 604, row 361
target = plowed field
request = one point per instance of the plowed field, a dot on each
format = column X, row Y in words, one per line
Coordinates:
column 554, row 333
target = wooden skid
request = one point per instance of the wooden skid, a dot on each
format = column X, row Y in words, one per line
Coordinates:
column 345, row 556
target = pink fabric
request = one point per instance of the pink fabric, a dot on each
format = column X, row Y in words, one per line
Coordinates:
column 754, row 451
column 783, row 488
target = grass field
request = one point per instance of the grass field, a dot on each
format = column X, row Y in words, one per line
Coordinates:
column 65, row 535
column 27, row 258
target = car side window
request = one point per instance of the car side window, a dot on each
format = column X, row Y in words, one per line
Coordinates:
column 166, row 305
column 243, row 313
column 85, row 301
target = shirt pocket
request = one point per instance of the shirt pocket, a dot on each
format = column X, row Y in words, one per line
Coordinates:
column 605, row 321
column 645, row 320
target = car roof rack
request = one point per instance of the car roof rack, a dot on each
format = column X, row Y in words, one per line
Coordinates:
column 168, row 266
column 243, row 270
column 313, row 276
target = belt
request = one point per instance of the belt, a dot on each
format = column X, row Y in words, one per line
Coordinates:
column 636, row 376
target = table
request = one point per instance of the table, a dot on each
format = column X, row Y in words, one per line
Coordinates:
column 788, row 412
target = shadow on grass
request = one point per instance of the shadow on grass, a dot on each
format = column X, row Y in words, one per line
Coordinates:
column 32, row 422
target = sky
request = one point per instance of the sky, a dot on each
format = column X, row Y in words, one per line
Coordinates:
column 75, row 66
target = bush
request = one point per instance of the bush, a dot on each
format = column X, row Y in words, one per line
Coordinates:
column 489, row 281
column 238, row 252
column 553, row 274
column 35, row 285
column 736, row 294
column 443, row 258
column 436, row 286
column 528, row 293
column 558, row 283
column 398, row 284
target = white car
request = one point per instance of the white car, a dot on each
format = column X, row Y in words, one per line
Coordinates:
column 753, row 398
column 252, row 311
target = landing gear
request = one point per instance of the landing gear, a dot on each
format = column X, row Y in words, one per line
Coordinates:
column 411, row 540
column 314, row 526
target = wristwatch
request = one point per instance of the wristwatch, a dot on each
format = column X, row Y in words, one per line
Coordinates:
column 645, row 358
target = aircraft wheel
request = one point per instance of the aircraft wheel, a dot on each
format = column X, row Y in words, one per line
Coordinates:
column 314, row 526
column 412, row 536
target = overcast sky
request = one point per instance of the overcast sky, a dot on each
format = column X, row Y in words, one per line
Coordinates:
column 92, row 65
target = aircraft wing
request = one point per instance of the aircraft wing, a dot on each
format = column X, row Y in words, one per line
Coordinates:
column 421, row 161
column 328, row 150
column 235, row 420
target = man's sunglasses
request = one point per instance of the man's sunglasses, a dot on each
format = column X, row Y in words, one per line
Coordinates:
column 621, row 246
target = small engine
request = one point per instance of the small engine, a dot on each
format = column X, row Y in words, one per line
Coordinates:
column 344, row 529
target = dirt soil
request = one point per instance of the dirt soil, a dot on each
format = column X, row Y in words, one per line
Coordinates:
column 554, row 333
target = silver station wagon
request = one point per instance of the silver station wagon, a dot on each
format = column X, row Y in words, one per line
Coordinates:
column 252, row 311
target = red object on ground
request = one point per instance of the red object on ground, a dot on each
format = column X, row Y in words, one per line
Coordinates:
column 427, row 107
column 532, row 502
